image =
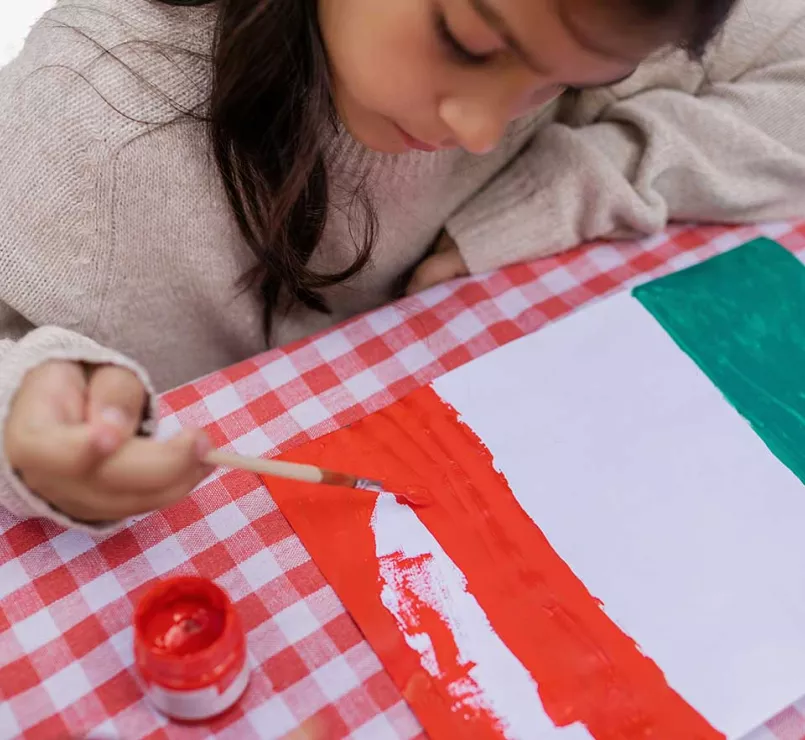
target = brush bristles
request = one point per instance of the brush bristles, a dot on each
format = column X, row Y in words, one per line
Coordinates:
column 366, row 484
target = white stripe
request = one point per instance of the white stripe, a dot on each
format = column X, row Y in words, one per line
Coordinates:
column 659, row 496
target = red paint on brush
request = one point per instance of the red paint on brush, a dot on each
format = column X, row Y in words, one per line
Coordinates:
column 586, row 668
column 414, row 496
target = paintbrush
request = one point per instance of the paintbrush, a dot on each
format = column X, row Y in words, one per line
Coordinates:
column 412, row 495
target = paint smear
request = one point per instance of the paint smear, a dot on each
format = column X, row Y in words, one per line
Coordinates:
column 427, row 594
column 586, row 669
column 741, row 318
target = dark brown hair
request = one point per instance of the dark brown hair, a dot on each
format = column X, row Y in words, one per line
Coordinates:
column 270, row 110
column 699, row 20
column 270, row 114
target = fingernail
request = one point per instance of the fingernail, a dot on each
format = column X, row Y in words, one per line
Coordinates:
column 114, row 416
column 203, row 445
column 107, row 441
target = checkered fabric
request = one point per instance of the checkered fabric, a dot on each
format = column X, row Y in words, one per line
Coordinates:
column 66, row 600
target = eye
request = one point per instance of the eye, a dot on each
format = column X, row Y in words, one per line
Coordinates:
column 454, row 47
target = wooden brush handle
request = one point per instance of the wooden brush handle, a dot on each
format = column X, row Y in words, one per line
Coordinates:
column 278, row 468
column 310, row 474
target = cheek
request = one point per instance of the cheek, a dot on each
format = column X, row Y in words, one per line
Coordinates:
column 385, row 66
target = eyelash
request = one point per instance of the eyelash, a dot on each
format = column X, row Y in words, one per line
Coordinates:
column 454, row 47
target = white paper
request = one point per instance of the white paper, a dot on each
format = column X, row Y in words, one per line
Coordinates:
column 661, row 499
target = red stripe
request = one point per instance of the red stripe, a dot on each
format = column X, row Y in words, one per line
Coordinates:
column 586, row 668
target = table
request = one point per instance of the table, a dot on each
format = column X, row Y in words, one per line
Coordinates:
column 66, row 600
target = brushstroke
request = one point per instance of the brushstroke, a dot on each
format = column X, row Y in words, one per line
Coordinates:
column 741, row 318
column 427, row 594
column 586, row 669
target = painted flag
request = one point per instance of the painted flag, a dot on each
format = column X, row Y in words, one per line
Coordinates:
column 615, row 548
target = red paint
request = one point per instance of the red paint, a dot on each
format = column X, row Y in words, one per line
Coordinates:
column 586, row 668
column 187, row 637
column 422, row 617
column 414, row 496
column 184, row 627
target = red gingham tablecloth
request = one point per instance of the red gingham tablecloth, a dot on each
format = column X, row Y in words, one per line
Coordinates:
column 66, row 600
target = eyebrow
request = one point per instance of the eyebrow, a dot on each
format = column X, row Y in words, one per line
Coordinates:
column 494, row 19
column 588, row 42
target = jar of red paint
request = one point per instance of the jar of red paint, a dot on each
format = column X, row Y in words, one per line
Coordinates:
column 190, row 649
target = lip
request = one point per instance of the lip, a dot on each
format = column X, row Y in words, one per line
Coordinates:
column 413, row 143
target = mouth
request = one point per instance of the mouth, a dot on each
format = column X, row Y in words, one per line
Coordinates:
column 414, row 143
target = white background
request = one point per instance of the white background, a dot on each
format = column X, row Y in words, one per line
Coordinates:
column 16, row 17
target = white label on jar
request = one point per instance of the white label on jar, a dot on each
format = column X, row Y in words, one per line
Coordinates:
column 201, row 704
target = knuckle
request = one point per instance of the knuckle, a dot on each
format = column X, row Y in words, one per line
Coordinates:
column 122, row 387
column 46, row 368
column 57, row 371
column 115, row 378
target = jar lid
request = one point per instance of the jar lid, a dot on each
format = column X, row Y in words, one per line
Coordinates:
column 187, row 635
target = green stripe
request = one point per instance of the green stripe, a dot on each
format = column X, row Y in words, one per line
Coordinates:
column 741, row 319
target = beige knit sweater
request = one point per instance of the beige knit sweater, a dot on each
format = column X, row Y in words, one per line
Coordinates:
column 117, row 245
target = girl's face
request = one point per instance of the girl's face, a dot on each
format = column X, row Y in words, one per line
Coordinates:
column 432, row 74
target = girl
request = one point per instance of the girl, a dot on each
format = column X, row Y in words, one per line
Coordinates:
column 184, row 186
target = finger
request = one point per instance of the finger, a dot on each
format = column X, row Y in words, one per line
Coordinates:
column 436, row 269
column 58, row 451
column 135, row 502
column 51, row 393
column 72, row 497
column 92, row 504
column 115, row 400
column 419, row 280
column 148, row 466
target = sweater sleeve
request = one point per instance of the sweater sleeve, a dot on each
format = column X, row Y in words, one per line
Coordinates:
column 56, row 235
column 728, row 148
column 16, row 359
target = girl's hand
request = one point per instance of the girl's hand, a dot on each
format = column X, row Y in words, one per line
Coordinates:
column 71, row 438
column 442, row 264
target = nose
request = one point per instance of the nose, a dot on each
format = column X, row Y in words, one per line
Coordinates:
column 474, row 124
column 478, row 119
